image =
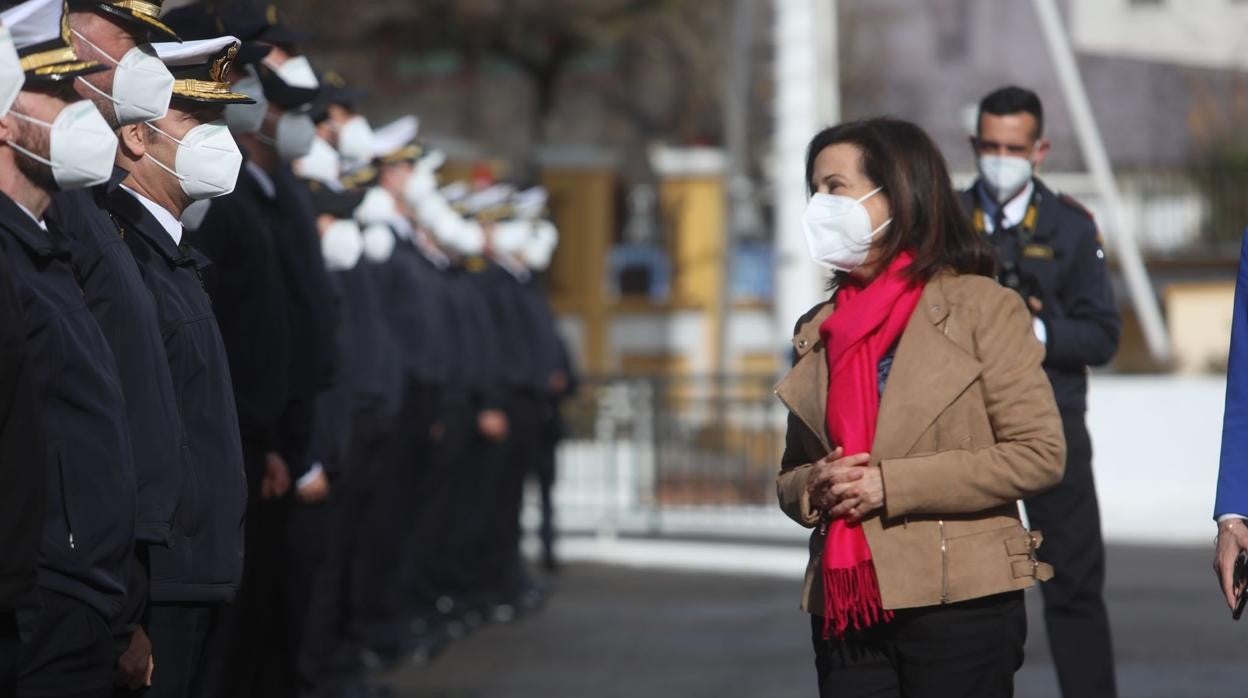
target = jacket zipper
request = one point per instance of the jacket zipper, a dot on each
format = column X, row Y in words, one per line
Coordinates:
column 69, row 519
column 944, row 565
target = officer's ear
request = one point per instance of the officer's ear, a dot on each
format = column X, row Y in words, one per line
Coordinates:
column 132, row 140
column 1041, row 151
column 8, row 129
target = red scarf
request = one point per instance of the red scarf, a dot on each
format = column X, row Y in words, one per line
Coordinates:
column 867, row 323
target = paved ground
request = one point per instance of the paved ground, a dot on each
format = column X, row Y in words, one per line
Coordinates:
column 623, row 632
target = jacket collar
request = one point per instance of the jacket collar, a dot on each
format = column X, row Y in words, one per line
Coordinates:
column 39, row 241
column 129, row 212
column 930, row 370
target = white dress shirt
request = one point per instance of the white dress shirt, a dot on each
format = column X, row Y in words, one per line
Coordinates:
column 167, row 220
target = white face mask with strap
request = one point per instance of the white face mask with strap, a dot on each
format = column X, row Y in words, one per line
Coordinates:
column 83, row 146
column 142, row 85
column 838, row 230
column 207, row 162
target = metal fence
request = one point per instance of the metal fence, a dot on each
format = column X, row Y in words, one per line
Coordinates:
column 660, row 455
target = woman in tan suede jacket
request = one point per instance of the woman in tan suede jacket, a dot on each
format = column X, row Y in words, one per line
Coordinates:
column 966, row 426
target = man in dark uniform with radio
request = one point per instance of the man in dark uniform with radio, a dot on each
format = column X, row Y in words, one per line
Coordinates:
column 1051, row 253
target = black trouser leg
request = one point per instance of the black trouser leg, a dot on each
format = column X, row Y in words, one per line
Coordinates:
column 971, row 648
column 10, row 646
column 476, row 464
column 179, row 634
column 544, row 469
column 1074, row 603
column 519, row 459
column 250, row 641
column 308, row 545
column 388, row 522
column 67, row 650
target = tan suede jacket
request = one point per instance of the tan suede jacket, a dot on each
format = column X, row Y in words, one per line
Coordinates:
column 967, row 426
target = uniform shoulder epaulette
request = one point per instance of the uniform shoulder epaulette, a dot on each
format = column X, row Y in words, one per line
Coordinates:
column 1072, row 202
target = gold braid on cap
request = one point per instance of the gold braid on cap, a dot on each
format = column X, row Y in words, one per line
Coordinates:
column 202, row 88
column 138, row 7
column 43, row 59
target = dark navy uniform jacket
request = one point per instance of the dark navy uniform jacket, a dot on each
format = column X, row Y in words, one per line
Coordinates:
column 123, row 308
column 414, row 294
column 249, row 300
column 510, row 316
column 308, row 302
column 478, row 368
column 371, row 358
column 89, row 520
column 1062, row 252
column 22, row 454
column 205, row 562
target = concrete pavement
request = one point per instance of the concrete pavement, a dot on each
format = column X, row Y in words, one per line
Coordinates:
column 625, row 632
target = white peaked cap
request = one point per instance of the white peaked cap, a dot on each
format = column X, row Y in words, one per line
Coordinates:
column 197, row 52
column 530, row 203
column 395, row 135
column 33, row 22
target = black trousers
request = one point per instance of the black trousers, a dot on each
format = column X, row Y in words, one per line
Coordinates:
column 331, row 640
column 180, row 649
column 249, row 643
column 1074, row 603
column 504, row 566
column 963, row 650
column 67, row 650
column 544, row 468
column 10, row 647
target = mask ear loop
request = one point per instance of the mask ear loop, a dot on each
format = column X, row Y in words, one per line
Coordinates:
column 161, row 165
column 30, row 154
column 116, row 63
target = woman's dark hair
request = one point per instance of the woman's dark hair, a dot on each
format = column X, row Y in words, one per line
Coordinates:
column 928, row 219
column 1012, row 100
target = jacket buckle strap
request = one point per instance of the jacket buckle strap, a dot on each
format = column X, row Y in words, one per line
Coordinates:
column 1034, row 569
column 1031, row 566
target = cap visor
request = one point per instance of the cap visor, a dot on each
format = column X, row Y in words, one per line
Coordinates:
column 339, row 204
column 143, row 21
column 58, row 72
column 281, row 34
column 226, row 98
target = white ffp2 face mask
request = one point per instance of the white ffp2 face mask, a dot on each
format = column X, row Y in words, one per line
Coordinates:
column 355, row 140
column 12, row 77
column 377, row 207
column 540, row 248
column 378, row 243
column 1005, row 175
column 298, row 72
column 207, row 162
column 321, row 164
column 247, row 118
column 294, row 135
column 341, row 245
column 142, row 85
column 510, row 237
column 83, row 146
column 838, row 230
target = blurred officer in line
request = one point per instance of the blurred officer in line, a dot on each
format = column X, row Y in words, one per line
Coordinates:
column 1051, row 253
column 135, row 88
column 51, row 141
column 185, row 156
column 22, row 459
column 250, row 283
column 526, row 246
